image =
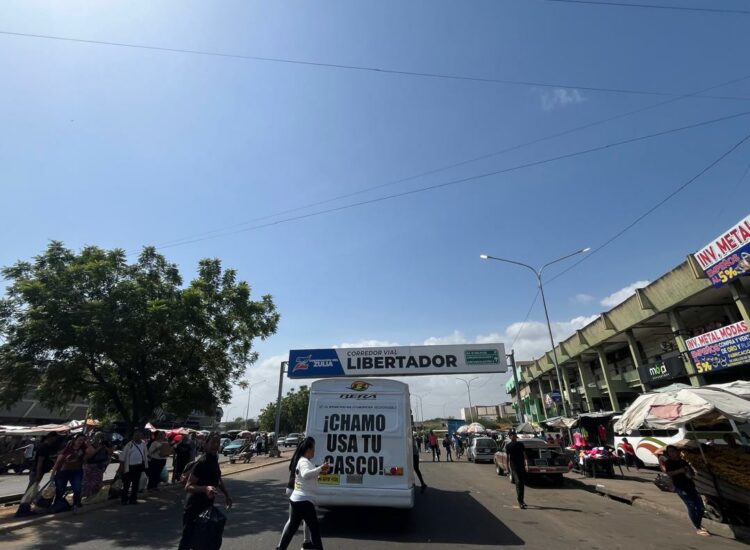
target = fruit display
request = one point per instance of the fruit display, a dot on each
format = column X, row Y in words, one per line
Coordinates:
column 732, row 465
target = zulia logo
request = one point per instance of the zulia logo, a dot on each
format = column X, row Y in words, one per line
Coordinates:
column 359, row 385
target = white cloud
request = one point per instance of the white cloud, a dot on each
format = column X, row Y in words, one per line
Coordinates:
column 368, row 344
column 623, row 294
column 582, row 299
column 533, row 340
column 455, row 338
column 560, row 97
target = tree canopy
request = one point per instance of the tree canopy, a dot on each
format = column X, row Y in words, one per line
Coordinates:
column 293, row 412
column 128, row 336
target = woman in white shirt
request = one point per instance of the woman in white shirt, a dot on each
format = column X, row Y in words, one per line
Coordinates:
column 301, row 501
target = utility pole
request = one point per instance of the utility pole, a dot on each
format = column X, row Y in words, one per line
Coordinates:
column 519, row 402
column 274, row 451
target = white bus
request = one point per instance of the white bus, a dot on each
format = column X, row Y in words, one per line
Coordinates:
column 647, row 441
column 363, row 429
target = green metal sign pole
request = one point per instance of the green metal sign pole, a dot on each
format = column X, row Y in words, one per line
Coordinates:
column 275, row 451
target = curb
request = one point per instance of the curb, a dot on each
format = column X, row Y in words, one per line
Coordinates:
column 33, row 520
column 724, row 530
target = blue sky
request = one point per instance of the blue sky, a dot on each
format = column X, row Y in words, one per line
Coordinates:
column 123, row 147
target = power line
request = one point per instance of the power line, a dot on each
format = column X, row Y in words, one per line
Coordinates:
column 363, row 68
column 653, row 208
column 468, row 178
column 525, row 319
column 654, row 6
column 633, row 223
column 460, row 163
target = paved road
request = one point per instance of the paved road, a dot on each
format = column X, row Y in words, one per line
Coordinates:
column 466, row 507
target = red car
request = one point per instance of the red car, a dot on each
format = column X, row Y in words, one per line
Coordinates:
column 542, row 459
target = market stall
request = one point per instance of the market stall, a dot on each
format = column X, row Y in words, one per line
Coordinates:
column 722, row 469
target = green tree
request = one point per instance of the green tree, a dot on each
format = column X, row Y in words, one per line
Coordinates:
column 128, row 336
column 293, row 412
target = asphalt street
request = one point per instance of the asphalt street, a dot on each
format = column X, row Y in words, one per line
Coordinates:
column 466, row 506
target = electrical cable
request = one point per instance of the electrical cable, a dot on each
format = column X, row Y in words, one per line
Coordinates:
column 652, row 208
column 363, row 68
column 525, row 319
column 654, row 6
column 459, row 163
column 466, row 179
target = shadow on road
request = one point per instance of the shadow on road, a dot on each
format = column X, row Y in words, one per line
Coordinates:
column 449, row 517
column 259, row 506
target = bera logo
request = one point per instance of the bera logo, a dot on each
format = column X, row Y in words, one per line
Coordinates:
column 359, row 385
column 305, row 363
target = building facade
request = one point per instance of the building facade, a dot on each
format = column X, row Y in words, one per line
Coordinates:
column 639, row 345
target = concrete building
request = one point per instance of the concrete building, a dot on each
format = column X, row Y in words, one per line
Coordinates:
column 488, row 412
column 638, row 345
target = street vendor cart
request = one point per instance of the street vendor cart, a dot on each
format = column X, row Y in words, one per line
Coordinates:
column 723, row 468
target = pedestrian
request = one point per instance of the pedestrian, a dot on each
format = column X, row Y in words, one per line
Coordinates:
column 307, row 543
column 681, row 474
column 69, row 469
column 134, row 461
column 432, row 438
column 631, row 459
column 447, row 444
column 415, row 461
column 42, row 463
column 96, row 459
column 157, row 451
column 202, row 484
column 302, row 499
column 419, row 443
column 181, row 457
column 516, row 453
column 459, row 446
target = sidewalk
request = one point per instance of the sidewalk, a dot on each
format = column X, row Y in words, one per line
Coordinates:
column 638, row 489
column 10, row 523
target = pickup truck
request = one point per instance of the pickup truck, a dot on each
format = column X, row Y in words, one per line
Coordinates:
column 542, row 459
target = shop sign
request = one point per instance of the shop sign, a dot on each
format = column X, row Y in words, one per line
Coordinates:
column 721, row 348
column 667, row 369
column 728, row 256
column 397, row 361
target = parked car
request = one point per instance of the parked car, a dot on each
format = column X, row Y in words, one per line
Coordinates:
column 542, row 459
column 482, row 449
column 293, row 440
column 233, row 447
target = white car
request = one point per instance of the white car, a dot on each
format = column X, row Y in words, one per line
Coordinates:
column 293, row 440
column 482, row 449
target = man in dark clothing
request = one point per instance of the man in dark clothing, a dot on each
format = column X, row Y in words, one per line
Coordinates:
column 182, row 453
column 516, row 453
column 204, row 481
column 681, row 472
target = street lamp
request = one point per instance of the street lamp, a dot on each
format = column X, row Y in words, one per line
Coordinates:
column 468, row 390
column 538, row 273
column 421, row 407
column 247, row 408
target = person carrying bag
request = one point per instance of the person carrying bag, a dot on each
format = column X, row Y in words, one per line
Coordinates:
column 202, row 522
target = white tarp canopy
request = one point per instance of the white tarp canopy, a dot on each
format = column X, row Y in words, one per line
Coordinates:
column 476, row 428
column 676, row 408
column 559, row 422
